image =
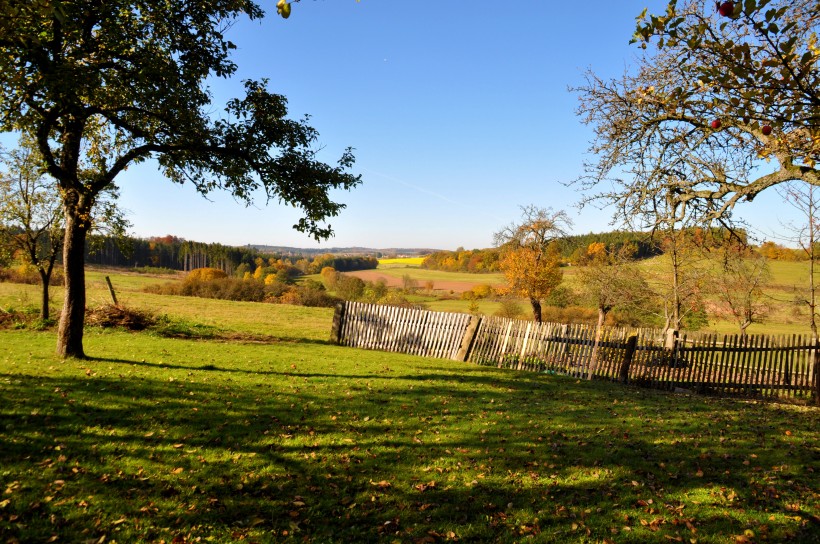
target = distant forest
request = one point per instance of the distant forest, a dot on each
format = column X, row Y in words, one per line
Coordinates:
column 175, row 253
column 486, row 260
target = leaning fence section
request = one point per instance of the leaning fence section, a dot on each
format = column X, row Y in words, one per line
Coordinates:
column 399, row 329
column 755, row 365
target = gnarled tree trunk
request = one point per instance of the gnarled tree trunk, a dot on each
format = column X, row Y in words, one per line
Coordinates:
column 72, row 319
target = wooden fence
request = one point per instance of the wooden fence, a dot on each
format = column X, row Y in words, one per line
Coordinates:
column 755, row 365
column 401, row 330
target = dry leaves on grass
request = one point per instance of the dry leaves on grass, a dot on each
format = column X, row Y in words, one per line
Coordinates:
column 119, row 316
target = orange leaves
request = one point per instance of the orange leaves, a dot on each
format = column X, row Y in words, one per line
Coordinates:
column 383, row 484
column 421, row 488
column 531, row 273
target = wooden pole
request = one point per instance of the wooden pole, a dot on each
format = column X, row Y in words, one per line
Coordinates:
column 111, row 290
column 468, row 339
column 338, row 322
column 629, row 354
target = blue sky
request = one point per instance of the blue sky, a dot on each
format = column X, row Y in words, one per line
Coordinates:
column 459, row 113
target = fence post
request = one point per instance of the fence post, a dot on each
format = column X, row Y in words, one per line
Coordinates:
column 671, row 339
column 468, row 339
column 816, row 372
column 631, row 346
column 338, row 323
column 111, row 291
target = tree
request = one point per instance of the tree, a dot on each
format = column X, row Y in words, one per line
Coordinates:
column 806, row 199
column 739, row 283
column 610, row 280
column 105, row 85
column 531, row 255
column 31, row 213
column 680, row 282
column 710, row 100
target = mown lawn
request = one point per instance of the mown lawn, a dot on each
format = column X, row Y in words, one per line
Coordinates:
column 290, row 439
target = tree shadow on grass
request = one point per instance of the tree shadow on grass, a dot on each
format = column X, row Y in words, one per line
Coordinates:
column 395, row 456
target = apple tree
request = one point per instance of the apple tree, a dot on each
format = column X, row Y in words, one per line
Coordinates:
column 106, row 85
column 724, row 103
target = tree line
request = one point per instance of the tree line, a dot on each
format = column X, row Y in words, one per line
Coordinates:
column 176, row 253
column 572, row 249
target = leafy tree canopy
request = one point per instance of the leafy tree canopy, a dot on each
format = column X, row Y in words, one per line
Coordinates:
column 712, row 98
column 106, row 84
column 134, row 70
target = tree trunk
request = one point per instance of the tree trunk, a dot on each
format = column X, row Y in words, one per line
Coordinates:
column 45, row 279
column 72, row 319
column 536, row 309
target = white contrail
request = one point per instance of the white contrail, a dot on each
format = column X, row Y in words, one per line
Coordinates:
column 431, row 193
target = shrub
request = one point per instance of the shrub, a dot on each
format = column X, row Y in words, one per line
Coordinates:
column 28, row 274
column 154, row 270
column 329, row 277
column 560, row 297
column 478, row 292
column 395, row 298
column 205, row 274
column 409, row 284
column 510, row 309
column 349, row 287
column 570, row 314
column 311, row 293
column 375, row 291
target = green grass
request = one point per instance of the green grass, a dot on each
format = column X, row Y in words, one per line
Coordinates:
column 157, row 439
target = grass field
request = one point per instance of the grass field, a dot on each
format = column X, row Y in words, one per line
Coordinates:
column 788, row 280
column 423, row 275
column 286, row 438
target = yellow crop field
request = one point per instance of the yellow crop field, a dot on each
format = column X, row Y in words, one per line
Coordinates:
column 402, row 261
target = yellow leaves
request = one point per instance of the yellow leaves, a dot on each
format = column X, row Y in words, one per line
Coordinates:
column 748, row 536
column 11, row 488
